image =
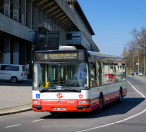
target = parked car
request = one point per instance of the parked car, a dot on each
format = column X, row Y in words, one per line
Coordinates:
column 13, row 72
column 140, row 73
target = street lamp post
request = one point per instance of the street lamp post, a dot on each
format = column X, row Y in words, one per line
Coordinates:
column 144, row 55
column 133, row 62
column 138, row 64
column 144, row 63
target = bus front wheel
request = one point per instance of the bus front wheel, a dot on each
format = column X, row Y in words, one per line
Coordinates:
column 101, row 104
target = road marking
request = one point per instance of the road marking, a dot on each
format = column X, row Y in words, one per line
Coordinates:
column 13, row 126
column 120, row 120
column 136, row 90
column 38, row 120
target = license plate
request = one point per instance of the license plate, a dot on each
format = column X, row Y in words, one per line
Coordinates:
column 58, row 108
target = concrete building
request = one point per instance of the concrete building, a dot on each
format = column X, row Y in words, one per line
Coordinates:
column 28, row 25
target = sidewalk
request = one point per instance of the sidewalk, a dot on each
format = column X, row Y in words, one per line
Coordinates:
column 15, row 98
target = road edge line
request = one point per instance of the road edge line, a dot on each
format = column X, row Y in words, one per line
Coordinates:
column 117, row 122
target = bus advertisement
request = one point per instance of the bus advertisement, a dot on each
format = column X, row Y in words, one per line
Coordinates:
column 71, row 80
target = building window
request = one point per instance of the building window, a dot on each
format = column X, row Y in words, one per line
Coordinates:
column 69, row 36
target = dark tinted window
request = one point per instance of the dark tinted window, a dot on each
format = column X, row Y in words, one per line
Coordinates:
column 9, row 68
column 69, row 36
column 2, row 67
column 23, row 68
column 15, row 68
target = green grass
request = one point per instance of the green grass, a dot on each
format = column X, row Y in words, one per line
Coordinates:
column 143, row 76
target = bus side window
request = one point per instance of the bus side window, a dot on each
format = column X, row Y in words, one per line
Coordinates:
column 93, row 81
column 98, row 73
column 123, row 72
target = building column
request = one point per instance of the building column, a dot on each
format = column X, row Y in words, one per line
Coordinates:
column 52, row 23
column 35, row 18
column 29, row 14
column 16, row 52
column 23, row 12
column 16, row 10
column 40, row 17
column 45, row 20
column 49, row 23
column 7, row 7
column 7, row 56
column 23, row 53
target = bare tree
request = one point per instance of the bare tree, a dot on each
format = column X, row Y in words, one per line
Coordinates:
column 135, row 50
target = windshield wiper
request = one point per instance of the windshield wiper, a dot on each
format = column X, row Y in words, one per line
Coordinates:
column 72, row 90
column 60, row 90
column 44, row 90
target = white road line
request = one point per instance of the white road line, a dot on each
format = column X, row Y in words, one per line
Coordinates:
column 120, row 120
column 13, row 126
column 38, row 120
column 136, row 89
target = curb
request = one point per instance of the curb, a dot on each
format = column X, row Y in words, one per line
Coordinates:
column 15, row 111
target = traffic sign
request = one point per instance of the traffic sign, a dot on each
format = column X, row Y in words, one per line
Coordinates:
column 37, row 96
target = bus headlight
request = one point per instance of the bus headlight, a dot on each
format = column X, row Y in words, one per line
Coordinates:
column 36, row 102
column 83, row 102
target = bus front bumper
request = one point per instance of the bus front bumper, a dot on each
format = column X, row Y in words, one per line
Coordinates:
column 61, row 106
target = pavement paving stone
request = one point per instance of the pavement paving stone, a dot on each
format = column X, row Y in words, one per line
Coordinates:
column 15, row 98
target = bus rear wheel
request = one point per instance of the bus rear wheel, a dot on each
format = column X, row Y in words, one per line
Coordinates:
column 14, row 79
column 121, row 97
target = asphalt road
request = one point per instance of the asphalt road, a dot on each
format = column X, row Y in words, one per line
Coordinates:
column 129, row 116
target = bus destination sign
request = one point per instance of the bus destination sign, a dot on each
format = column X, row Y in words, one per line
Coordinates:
column 61, row 56
column 49, row 56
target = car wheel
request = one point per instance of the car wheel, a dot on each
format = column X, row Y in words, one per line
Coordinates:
column 14, row 79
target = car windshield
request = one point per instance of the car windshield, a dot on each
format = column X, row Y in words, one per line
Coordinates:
column 60, row 76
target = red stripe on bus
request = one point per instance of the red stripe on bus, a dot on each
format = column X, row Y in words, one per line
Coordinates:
column 70, row 105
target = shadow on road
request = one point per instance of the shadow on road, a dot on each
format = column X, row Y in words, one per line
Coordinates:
column 109, row 110
column 23, row 83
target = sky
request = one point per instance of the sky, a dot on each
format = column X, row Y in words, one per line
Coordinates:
column 113, row 20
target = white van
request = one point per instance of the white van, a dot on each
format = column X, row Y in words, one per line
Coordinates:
column 13, row 72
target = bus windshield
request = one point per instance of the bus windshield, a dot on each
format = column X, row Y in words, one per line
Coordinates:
column 60, row 76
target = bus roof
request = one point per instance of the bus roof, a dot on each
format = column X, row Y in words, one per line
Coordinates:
column 104, row 55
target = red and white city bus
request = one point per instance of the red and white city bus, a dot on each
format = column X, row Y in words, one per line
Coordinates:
column 70, row 80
